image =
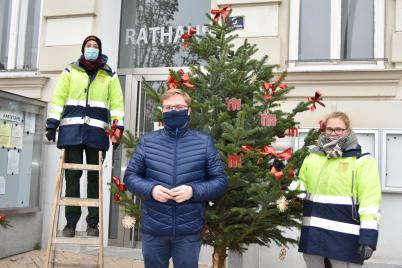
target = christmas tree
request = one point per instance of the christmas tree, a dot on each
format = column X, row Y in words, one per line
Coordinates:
column 237, row 100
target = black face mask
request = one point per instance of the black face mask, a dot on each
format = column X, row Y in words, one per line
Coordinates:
column 175, row 119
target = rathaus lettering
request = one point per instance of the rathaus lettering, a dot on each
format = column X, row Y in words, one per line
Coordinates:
column 158, row 34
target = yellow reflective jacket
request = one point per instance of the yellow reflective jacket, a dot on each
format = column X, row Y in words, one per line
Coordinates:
column 83, row 106
column 341, row 210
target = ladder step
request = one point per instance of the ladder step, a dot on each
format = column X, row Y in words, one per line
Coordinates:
column 81, row 166
column 77, row 240
column 73, row 201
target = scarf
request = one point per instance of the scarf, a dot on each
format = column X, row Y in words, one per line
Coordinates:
column 90, row 66
column 334, row 148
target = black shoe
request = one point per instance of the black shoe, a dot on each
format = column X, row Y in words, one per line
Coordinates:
column 92, row 230
column 69, row 230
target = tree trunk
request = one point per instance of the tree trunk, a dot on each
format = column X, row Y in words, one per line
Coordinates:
column 219, row 257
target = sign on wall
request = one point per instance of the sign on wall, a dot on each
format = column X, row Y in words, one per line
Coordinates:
column 150, row 31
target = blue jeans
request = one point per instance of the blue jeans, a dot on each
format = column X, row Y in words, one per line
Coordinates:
column 184, row 250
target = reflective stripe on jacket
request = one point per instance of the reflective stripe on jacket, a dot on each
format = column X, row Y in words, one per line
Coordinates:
column 82, row 108
column 341, row 210
column 172, row 159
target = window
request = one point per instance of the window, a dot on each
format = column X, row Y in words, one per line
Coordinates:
column 391, row 150
column 19, row 26
column 336, row 32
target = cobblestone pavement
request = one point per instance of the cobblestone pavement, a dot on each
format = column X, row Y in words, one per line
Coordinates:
column 65, row 259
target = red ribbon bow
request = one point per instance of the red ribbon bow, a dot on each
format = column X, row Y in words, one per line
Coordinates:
column 119, row 184
column 114, row 132
column 270, row 89
column 185, row 80
column 269, row 150
column 224, row 12
column 314, row 100
column 279, row 174
column 187, row 36
column 116, row 197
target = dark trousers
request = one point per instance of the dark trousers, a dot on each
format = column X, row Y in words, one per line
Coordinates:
column 74, row 154
column 184, row 250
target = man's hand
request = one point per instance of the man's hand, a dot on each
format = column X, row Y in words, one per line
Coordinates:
column 161, row 194
column 182, row 193
column 51, row 134
column 365, row 252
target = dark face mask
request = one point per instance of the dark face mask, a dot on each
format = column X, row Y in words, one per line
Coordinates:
column 175, row 119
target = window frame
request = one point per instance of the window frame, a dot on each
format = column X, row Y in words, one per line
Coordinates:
column 13, row 49
column 384, row 134
column 335, row 63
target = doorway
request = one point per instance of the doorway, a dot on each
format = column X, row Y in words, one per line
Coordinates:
column 138, row 120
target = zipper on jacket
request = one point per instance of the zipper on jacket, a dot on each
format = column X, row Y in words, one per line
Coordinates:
column 354, row 209
column 174, row 181
column 86, row 100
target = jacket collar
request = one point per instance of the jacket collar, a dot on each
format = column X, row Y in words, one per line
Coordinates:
column 176, row 133
column 104, row 66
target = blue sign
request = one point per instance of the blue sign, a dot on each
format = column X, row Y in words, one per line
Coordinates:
column 238, row 22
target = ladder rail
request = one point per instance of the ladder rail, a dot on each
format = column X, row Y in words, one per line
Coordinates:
column 54, row 207
column 100, row 208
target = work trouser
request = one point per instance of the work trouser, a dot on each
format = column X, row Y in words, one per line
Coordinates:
column 74, row 154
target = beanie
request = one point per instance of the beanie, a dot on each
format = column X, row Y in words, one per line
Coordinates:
column 94, row 38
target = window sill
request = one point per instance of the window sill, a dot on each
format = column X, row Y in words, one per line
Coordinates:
column 336, row 65
column 18, row 74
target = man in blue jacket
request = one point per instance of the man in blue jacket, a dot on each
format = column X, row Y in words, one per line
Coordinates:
column 175, row 170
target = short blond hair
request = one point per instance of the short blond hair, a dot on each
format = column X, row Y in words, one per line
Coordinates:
column 176, row 91
column 340, row 115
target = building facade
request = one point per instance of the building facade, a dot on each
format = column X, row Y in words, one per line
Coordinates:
column 349, row 50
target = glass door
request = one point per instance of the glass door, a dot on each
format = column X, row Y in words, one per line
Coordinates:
column 138, row 120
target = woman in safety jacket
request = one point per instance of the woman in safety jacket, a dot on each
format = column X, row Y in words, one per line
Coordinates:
column 87, row 98
column 341, row 208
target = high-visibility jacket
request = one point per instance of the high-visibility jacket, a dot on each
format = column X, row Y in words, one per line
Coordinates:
column 341, row 210
column 83, row 107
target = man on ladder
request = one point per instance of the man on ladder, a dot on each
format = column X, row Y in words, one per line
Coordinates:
column 87, row 97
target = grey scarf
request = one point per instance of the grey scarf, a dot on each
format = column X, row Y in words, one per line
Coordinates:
column 334, row 148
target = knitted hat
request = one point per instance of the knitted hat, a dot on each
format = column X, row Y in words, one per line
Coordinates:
column 94, row 38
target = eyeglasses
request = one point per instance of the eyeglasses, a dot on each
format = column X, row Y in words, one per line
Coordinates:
column 169, row 108
column 337, row 131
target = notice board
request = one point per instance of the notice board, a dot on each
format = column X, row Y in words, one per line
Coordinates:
column 21, row 131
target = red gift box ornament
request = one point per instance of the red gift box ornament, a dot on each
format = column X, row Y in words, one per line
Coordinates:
column 233, row 104
column 316, row 99
column 187, row 36
column 234, row 161
column 268, row 120
column 224, row 12
column 119, row 184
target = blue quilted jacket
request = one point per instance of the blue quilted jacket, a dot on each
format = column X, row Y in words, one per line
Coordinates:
column 169, row 158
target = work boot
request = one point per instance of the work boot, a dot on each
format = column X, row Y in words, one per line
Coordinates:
column 69, row 230
column 92, row 230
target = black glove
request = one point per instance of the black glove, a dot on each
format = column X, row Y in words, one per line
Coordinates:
column 51, row 134
column 365, row 252
column 115, row 145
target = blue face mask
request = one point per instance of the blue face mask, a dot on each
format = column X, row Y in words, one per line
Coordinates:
column 175, row 119
column 91, row 53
